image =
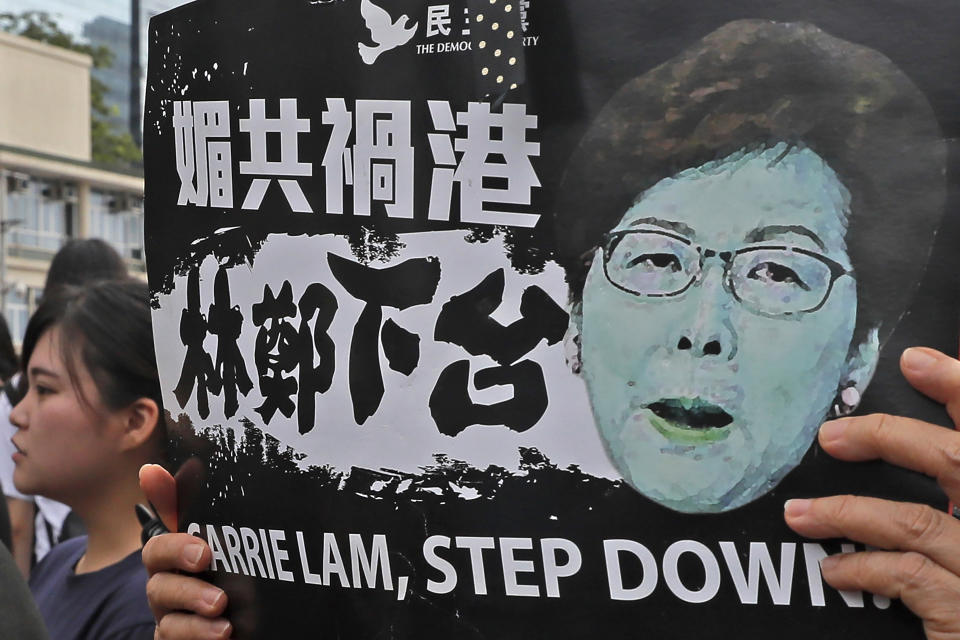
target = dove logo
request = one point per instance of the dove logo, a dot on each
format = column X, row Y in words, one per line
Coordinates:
column 386, row 33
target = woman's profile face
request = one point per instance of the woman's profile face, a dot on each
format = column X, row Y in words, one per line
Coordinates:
column 66, row 447
column 715, row 327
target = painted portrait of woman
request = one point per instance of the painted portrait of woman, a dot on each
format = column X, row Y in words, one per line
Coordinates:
column 745, row 225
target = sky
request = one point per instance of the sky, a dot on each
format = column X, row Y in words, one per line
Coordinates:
column 72, row 14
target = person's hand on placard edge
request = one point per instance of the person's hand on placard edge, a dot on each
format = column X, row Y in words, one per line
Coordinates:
column 918, row 556
column 175, row 598
column 918, row 560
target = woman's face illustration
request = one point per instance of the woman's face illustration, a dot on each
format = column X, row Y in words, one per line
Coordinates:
column 715, row 327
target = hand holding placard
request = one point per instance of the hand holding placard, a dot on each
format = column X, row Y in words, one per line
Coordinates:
column 916, row 559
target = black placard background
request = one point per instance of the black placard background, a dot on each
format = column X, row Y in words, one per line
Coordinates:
column 588, row 48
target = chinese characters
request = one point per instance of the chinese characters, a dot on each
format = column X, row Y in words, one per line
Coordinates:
column 294, row 349
column 482, row 159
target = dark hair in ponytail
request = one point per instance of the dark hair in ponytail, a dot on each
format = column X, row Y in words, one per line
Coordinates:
column 107, row 325
column 84, row 260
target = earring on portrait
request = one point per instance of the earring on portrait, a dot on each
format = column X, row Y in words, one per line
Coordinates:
column 861, row 365
column 847, row 400
column 571, row 348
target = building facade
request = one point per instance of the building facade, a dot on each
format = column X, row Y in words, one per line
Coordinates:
column 114, row 35
column 50, row 191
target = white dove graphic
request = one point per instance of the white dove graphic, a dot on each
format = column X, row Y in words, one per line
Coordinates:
column 383, row 31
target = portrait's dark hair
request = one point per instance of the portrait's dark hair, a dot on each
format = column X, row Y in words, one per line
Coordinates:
column 752, row 84
column 80, row 261
column 9, row 363
column 107, row 326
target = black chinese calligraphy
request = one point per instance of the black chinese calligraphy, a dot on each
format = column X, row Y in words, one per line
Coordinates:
column 275, row 351
column 410, row 283
column 282, row 348
column 225, row 321
column 465, row 320
column 317, row 301
column 197, row 367
column 295, row 346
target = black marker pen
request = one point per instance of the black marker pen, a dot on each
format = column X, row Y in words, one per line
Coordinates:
column 152, row 524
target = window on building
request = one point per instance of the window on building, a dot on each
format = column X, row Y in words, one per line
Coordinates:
column 118, row 219
column 41, row 213
column 18, row 312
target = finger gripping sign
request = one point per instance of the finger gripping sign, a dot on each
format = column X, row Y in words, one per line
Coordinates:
column 518, row 319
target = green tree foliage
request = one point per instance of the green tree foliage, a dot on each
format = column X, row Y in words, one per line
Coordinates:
column 109, row 147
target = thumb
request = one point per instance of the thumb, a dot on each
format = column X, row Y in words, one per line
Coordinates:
column 934, row 374
column 161, row 490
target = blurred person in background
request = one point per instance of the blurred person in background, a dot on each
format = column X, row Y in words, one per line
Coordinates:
column 19, row 617
column 81, row 261
column 9, row 364
column 39, row 523
column 90, row 418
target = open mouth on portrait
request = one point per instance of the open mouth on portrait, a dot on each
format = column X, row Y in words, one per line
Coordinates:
column 690, row 420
